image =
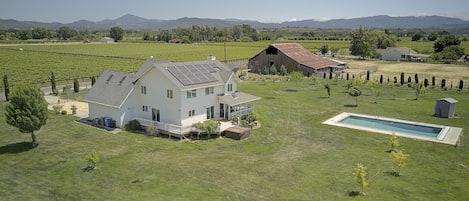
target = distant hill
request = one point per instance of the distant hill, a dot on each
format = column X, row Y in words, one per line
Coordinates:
column 133, row 22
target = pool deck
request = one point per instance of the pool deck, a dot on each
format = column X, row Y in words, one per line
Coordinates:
column 449, row 136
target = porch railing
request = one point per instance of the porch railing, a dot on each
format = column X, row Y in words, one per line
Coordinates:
column 175, row 129
column 242, row 112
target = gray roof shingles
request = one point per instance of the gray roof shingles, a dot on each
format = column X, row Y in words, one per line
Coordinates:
column 111, row 88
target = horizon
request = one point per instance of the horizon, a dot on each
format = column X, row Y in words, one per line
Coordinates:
column 49, row 11
column 324, row 20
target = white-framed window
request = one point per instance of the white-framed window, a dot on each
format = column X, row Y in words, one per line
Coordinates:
column 169, row 93
column 145, row 108
column 192, row 93
column 191, row 113
column 230, row 87
column 209, row 90
column 143, row 89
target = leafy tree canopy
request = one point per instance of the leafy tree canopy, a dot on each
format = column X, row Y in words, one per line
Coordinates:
column 117, row 33
column 27, row 109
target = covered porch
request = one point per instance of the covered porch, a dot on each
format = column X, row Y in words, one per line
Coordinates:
column 237, row 103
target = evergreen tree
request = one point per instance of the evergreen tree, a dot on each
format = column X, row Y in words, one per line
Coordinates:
column 7, row 87
column 27, row 110
column 53, row 84
column 273, row 69
column 283, row 70
column 76, row 85
column 93, row 80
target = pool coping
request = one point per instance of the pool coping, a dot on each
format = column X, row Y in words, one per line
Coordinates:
column 448, row 134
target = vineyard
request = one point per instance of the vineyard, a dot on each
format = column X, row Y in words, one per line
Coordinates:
column 68, row 61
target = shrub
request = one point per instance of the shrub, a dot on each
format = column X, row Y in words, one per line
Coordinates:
column 252, row 116
column 57, row 108
column 74, row 109
column 91, row 158
column 133, row 126
column 64, row 112
column 152, row 129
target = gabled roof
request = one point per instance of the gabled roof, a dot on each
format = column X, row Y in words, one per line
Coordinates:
column 304, row 57
column 111, row 88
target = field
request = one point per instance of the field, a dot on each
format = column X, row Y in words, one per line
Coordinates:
column 450, row 72
column 291, row 157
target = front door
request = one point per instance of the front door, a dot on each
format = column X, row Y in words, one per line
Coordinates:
column 222, row 110
column 155, row 114
column 210, row 112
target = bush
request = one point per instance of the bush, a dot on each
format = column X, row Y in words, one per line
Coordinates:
column 252, row 116
column 64, row 112
column 133, row 126
column 57, row 108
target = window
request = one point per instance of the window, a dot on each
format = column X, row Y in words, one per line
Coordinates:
column 192, row 94
column 145, row 108
column 191, row 113
column 143, row 89
column 230, row 87
column 169, row 93
column 403, row 56
column 209, row 90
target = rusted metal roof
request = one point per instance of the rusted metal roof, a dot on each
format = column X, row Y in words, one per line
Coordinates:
column 300, row 54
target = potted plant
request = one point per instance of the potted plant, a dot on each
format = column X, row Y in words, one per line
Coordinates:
column 74, row 109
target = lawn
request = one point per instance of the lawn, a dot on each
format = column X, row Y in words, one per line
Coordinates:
column 291, row 157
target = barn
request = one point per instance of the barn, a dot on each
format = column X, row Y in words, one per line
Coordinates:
column 295, row 58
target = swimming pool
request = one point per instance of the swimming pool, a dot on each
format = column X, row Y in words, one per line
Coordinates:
column 416, row 130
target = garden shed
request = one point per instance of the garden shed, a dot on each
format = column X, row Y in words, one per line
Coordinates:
column 445, row 107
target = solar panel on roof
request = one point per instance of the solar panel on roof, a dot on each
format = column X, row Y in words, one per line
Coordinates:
column 192, row 74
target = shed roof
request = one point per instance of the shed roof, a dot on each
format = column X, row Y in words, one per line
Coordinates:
column 304, row 57
column 449, row 100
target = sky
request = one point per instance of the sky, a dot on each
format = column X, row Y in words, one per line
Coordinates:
column 67, row 11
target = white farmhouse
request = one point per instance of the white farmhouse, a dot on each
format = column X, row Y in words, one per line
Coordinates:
column 172, row 95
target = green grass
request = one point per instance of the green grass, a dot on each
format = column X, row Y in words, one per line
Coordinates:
column 291, row 157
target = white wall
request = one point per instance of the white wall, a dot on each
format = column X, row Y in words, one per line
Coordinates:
column 393, row 55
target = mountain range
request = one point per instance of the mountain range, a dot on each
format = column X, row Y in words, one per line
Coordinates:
column 133, row 22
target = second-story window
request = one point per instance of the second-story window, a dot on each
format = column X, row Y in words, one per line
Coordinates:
column 209, row 90
column 192, row 93
column 143, row 89
column 169, row 93
column 230, row 87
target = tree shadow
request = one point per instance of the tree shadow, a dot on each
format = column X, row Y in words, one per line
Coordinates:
column 291, row 90
column 16, row 148
column 350, row 105
column 392, row 173
column 354, row 193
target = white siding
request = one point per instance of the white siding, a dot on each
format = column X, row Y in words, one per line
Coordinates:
column 98, row 111
column 393, row 55
column 157, row 85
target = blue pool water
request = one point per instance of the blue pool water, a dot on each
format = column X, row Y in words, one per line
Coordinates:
column 392, row 126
